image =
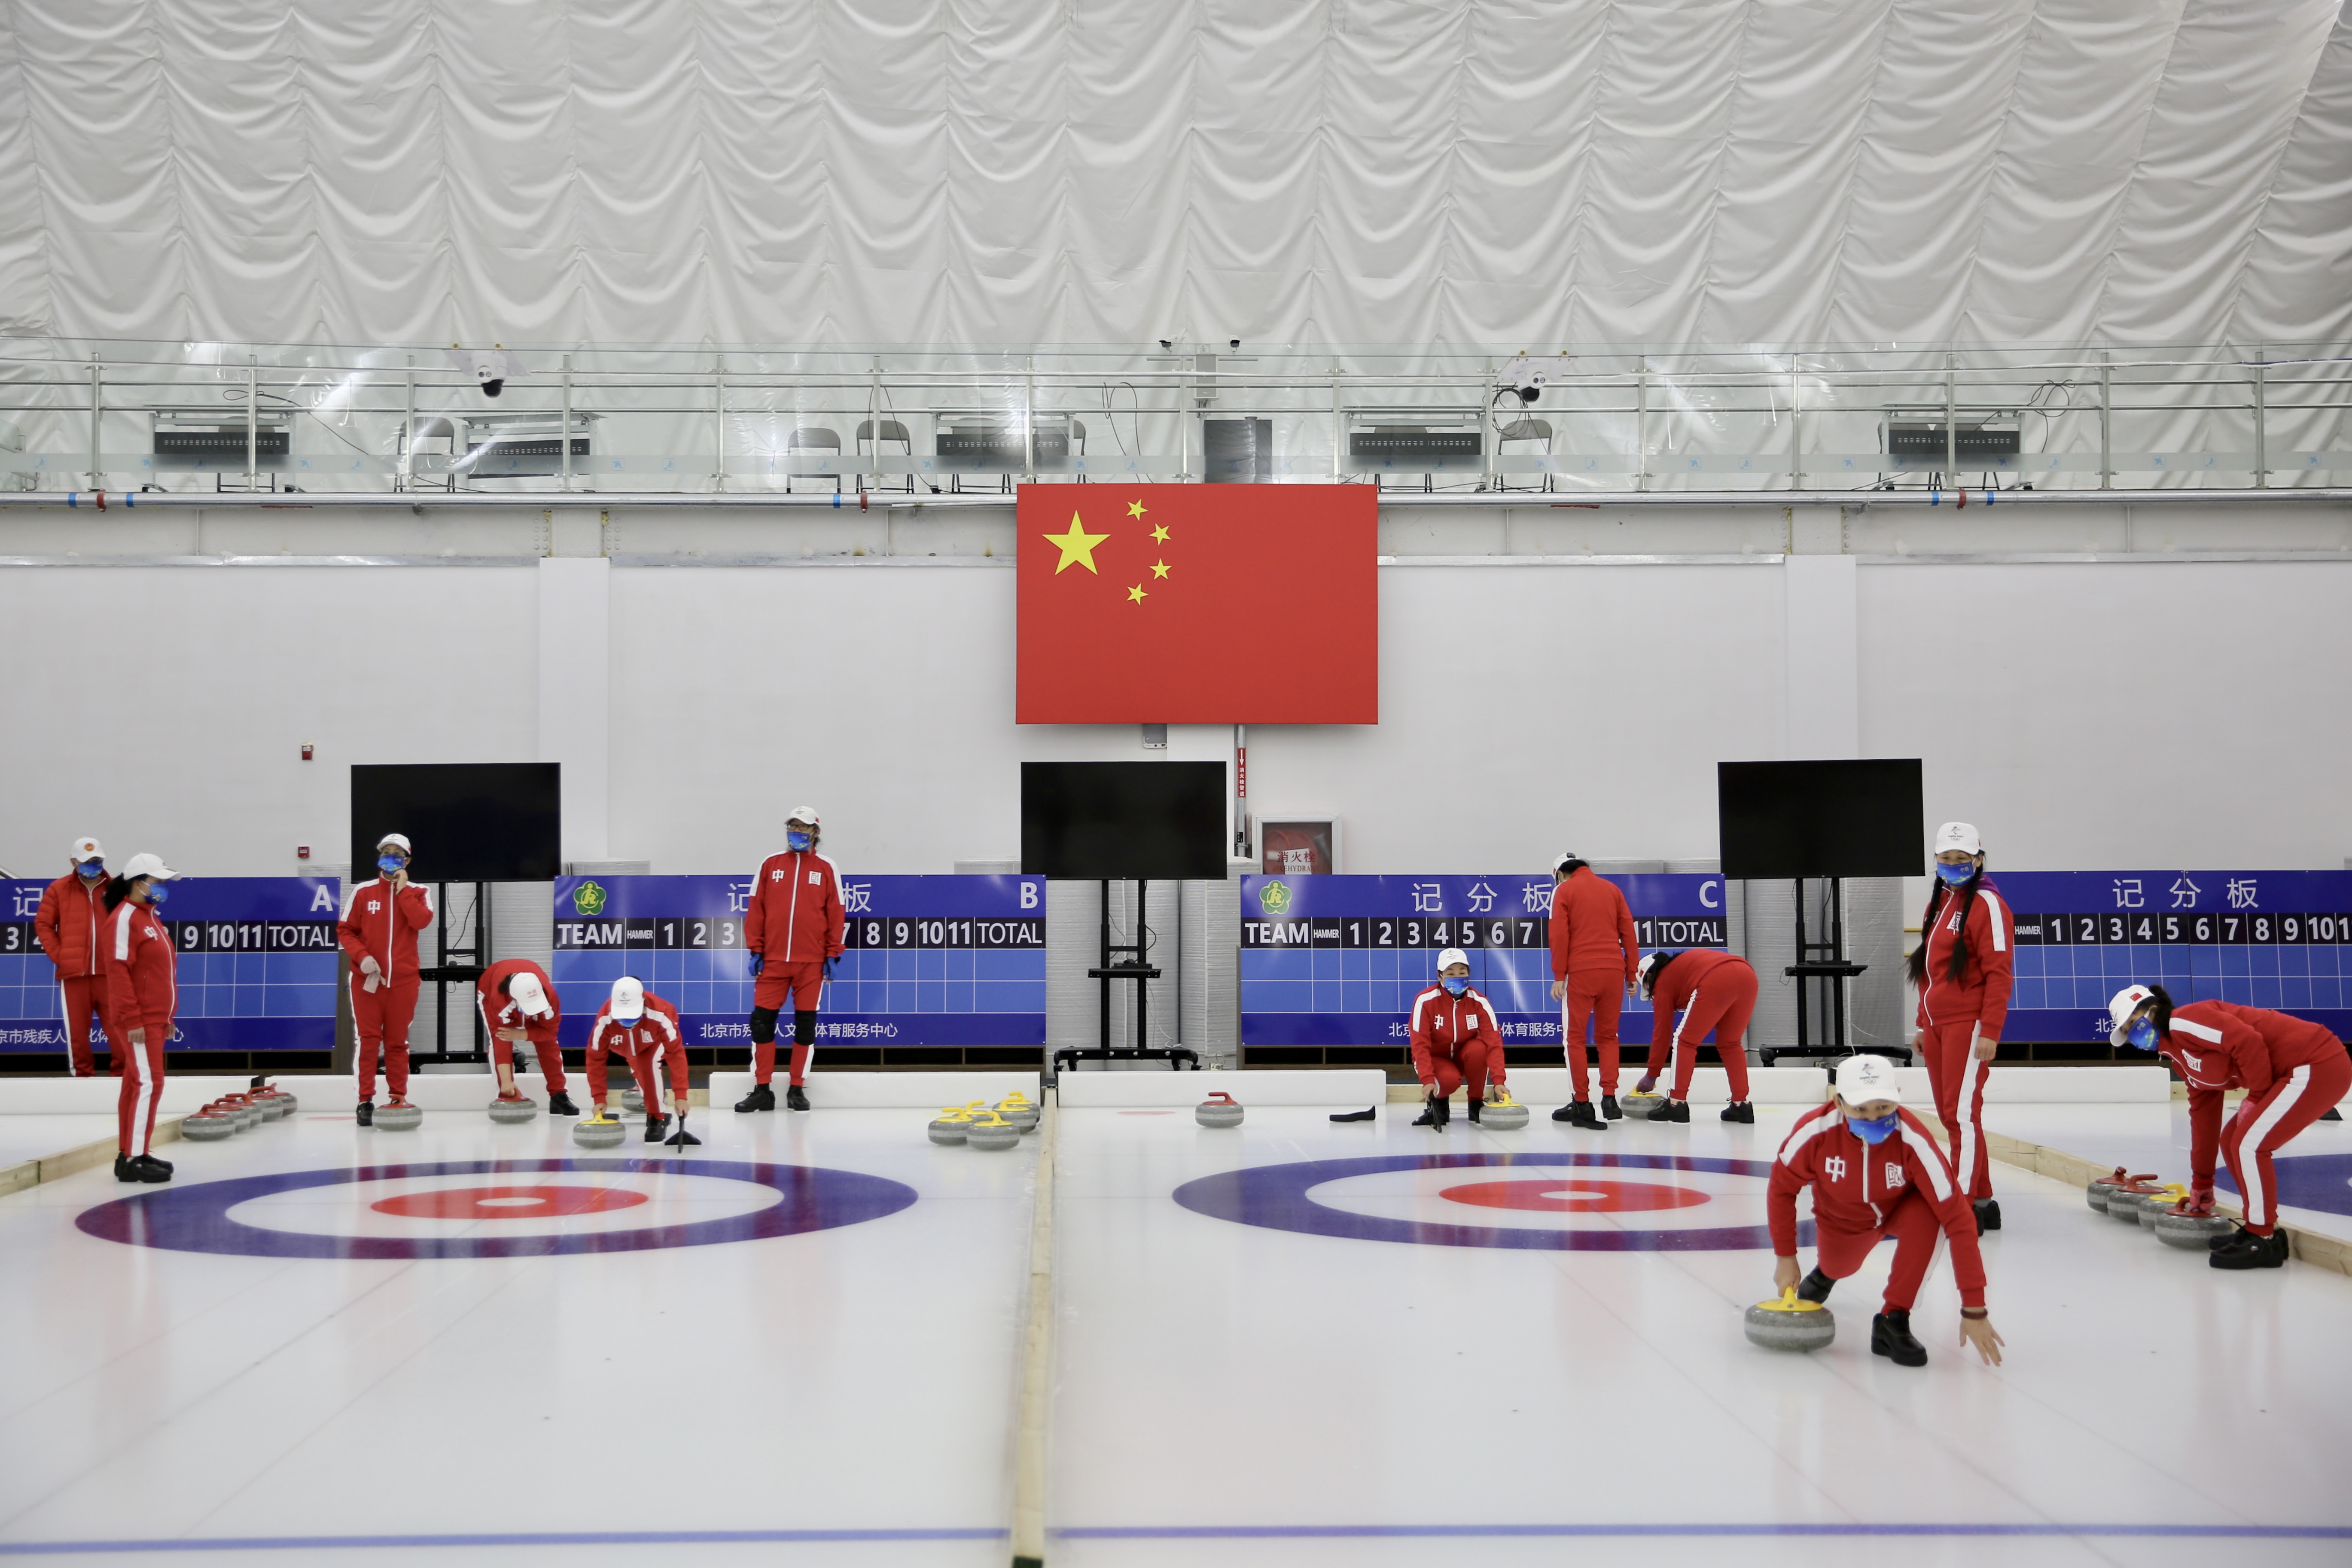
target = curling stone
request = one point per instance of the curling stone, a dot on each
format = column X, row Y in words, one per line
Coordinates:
column 633, row 1100
column 2159, row 1202
column 2190, row 1232
column 267, row 1103
column 1791, row 1324
column 1021, row 1111
column 2122, row 1202
column 398, row 1118
column 1219, row 1109
column 207, row 1126
column 590, row 1133
column 514, row 1110
column 1503, row 1114
column 249, row 1115
column 989, row 1131
column 1637, row 1105
column 948, row 1127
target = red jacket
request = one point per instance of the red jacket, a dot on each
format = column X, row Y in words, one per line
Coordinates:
column 379, row 926
column 69, row 922
column 142, row 967
column 1679, row 981
column 1442, row 1025
column 501, row 1013
column 1982, row 994
column 797, row 916
column 1591, row 928
column 2220, row 1045
column 657, row 1030
column 1856, row 1185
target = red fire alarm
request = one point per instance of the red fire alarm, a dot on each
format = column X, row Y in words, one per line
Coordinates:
column 306, row 750
column 302, row 851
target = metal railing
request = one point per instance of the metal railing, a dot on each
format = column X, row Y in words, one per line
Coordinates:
column 221, row 418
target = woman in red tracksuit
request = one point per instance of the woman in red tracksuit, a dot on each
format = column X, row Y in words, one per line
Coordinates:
column 518, row 1003
column 1595, row 958
column 1875, row 1172
column 2292, row 1070
column 1715, row 992
column 143, row 981
column 642, row 1029
column 1962, row 968
column 378, row 932
column 1455, row 1041
column 70, row 925
column 794, row 927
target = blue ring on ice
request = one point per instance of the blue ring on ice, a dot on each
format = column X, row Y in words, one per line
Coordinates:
column 2322, row 1182
column 1274, row 1196
column 196, row 1218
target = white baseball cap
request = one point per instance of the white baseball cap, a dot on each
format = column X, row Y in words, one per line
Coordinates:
column 1559, row 861
column 2119, row 1011
column 803, row 814
column 1452, row 956
column 525, row 991
column 1652, row 962
column 87, row 850
column 151, row 866
column 628, row 1000
column 396, row 841
column 1960, row 836
column 1863, row 1078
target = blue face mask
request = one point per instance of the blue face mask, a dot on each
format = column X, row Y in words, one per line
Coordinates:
column 156, row 893
column 2142, row 1034
column 1953, row 874
column 799, row 841
column 1871, row 1132
column 92, row 870
column 388, row 864
column 1454, row 983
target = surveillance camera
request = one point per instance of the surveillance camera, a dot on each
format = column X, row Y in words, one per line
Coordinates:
column 1233, row 343
column 1526, row 376
column 491, row 368
column 1167, row 343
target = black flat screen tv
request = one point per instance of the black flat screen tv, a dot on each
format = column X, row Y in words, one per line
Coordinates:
column 468, row 822
column 1852, row 818
column 1119, row 821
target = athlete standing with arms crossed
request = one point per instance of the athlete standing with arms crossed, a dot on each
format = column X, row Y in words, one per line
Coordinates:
column 1596, row 961
column 1962, row 966
column 793, row 929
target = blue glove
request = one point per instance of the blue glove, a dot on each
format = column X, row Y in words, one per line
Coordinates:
column 829, row 964
column 757, row 960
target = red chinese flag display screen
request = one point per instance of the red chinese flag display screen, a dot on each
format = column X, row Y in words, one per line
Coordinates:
column 1199, row 604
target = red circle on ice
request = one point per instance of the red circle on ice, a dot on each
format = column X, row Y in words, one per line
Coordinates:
column 1574, row 1194
column 508, row 1203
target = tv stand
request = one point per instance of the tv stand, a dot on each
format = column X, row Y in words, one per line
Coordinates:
column 1133, row 967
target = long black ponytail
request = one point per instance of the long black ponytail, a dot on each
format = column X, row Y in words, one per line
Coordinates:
column 117, row 889
column 1916, row 965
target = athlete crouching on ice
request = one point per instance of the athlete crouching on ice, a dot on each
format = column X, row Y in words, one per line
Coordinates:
column 1875, row 1172
column 1456, row 1040
column 793, row 929
column 2292, row 1070
column 519, row 1006
column 642, row 1029
column 1715, row 992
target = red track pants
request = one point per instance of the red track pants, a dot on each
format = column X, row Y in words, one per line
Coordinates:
column 551, row 1059
column 1913, row 1226
column 1598, row 994
column 83, row 994
column 380, row 1020
column 1723, row 1003
column 142, row 1085
column 645, row 1067
column 2263, row 1122
column 1958, row 1081
column 781, row 986
column 1466, row 1065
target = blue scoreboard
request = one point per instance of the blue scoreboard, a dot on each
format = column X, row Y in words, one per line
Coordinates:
column 1336, row 960
column 256, row 967
column 2266, row 939
column 929, row 961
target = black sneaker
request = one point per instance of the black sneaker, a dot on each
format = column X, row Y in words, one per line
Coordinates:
column 1672, row 1111
column 559, row 1104
column 2227, row 1237
column 1988, row 1215
column 761, row 1097
column 1739, row 1111
column 143, row 1168
column 795, row 1098
column 682, row 1139
column 1609, row 1108
column 367, row 1112
column 1891, row 1336
column 657, row 1128
column 123, row 1169
column 1815, row 1286
column 1580, row 1113
column 2247, row 1250
column 1370, row 1113
column 1476, row 1107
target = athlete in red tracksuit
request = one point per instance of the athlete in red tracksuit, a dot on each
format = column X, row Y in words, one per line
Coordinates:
column 1714, row 991
column 508, row 1015
column 2292, row 1070
column 645, row 1042
column 67, row 924
column 142, row 979
column 1595, row 957
column 1962, row 965
column 378, row 931
column 1893, row 1182
column 1455, row 1041
column 794, row 927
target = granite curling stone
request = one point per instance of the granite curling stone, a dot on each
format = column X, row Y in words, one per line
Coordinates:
column 266, row 1101
column 249, row 1115
column 599, row 1133
column 1791, row 1324
column 207, row 1126
column 2155, row 1205
column 1021, row 1111
column 1502, row 1114
column 400, row 1117
column 1637, row 1105
column 989, row 1131
column 948, row 1127
column 2192, row 1232
column 509, row 1111
column 633, row 1099
column 2122, row 1202
column 1219, row 1109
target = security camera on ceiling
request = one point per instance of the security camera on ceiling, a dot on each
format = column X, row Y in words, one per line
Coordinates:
column 491, row 368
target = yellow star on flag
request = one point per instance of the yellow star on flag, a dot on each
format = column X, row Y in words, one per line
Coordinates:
column 1160, row 533
column 1159, row 569
column 1134, row 508
column 1136, row 595
column 1077, row 545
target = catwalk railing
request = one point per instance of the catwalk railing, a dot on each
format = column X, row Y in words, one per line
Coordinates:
column 237, row 417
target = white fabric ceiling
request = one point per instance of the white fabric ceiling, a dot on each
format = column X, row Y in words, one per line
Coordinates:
column 1500, row 172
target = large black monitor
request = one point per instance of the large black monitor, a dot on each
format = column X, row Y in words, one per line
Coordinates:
column 1786, row 820
column 469, row 822
column 1121, row 821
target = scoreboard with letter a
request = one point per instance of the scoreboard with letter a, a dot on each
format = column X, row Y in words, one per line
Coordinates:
column 2281, row 940
column 1336, row 960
